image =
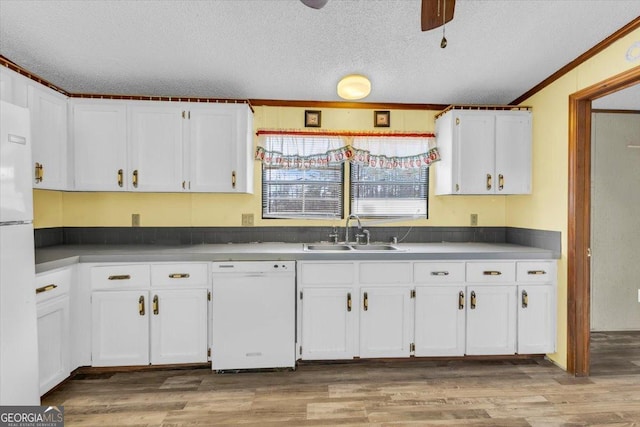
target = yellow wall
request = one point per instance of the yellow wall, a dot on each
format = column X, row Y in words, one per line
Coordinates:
column 547, row 207
column 76, row 209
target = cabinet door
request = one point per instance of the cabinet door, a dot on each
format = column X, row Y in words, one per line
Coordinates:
column 536, row 319
column 513, row 153
column 213, row 145
column 53, row 342
column 474, row 134
column 120, row 328
column 155, row 138
column 179, row 326
column 100, row 144
column 49, row 136
column 385, row 321
column 328, row 323
column 491, row 320
column 440, row 320
column 13, row 87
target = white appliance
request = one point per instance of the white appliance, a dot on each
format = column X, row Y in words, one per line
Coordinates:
column 18, row 322
column 253, row 320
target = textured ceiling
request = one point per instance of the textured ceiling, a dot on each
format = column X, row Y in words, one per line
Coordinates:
column 280, row 49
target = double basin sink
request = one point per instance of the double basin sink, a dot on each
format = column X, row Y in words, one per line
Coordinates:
column 327, row 247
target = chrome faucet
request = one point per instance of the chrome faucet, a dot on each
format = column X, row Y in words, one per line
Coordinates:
column 346, row 231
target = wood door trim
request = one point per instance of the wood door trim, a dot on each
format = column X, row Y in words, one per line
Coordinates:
column 579, row 217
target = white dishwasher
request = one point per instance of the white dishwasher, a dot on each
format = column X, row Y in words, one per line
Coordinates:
column 253, row 315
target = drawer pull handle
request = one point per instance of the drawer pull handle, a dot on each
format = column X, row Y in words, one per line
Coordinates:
column 492, row 273
column 156, row 305
column 233, row 179
column 525, row 299
column 489, row 184
column 46, row 288
column 120, row 178
column 439, row 273
column 120, row 277
column 461, row 301
column 500, row 182
column 473, row 300
column 135, row 178
column 179, row 276
column 365, row 303
column 141, row 305
column 349, row 301
column 536, row 272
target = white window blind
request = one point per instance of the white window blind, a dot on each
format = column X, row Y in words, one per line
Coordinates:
column 300, row 181
column 377, row 192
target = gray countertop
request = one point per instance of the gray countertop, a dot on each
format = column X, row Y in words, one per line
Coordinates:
column 53, row 257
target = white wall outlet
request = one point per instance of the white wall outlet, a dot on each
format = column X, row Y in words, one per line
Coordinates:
column 135, row 220
column 474, row 219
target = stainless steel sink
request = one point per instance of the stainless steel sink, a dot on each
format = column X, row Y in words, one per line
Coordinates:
column 374, row 247
column 327, row 247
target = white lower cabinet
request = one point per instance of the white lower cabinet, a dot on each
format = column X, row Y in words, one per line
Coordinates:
column 145, row 326
column 53, row 342
column 491, row 320
column 179, row 326
column 440, row 320
column 425, row 308
column 120, row 328
column 328, row 316
column 52, row 298
column 386, row 325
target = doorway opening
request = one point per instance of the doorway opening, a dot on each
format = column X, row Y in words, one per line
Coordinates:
column 579, row 217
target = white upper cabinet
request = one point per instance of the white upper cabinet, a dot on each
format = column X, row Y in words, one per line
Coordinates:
column 484, row 152
column 49, row 135
column 219, row 148
column 155, row 146
column 13, row 87
column 161, row 146
column 99, row 133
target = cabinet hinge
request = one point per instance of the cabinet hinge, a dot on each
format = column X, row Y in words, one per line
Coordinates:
column 412, row 347
column 209, row 352
column 413, row 293
column 300, row 294
column 208, row 295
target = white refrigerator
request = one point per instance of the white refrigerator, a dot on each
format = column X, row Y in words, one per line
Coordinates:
column 18, row 318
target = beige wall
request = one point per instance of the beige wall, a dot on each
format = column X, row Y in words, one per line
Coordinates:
column 55, row 209
column 547, row 207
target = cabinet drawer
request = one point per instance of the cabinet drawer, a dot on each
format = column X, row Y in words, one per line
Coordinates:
column 438, row 272
column 52, row 284
column 536, row 271
column 491, row 272
column 385, row 273
column 327, row 273
column 179, row 274
column 120, row 276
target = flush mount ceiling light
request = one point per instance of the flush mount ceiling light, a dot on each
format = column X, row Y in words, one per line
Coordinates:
column 354, row 86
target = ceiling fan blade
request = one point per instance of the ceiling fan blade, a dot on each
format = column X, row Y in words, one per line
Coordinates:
column 315, row 4
column 432, row 11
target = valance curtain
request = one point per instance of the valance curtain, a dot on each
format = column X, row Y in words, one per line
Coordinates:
column 307, row 149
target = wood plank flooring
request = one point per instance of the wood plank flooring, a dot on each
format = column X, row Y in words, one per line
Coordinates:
column 416, row 392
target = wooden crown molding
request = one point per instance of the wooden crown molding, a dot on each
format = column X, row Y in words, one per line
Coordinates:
column 627, row 29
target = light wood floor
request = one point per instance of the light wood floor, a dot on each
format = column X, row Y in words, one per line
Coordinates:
column 416, row 392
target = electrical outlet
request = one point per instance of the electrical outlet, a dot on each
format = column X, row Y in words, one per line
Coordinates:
column 474, row 219
column 135, row 220
column 247, row 220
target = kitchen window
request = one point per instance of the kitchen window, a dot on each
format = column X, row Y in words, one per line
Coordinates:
column 303, row 173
